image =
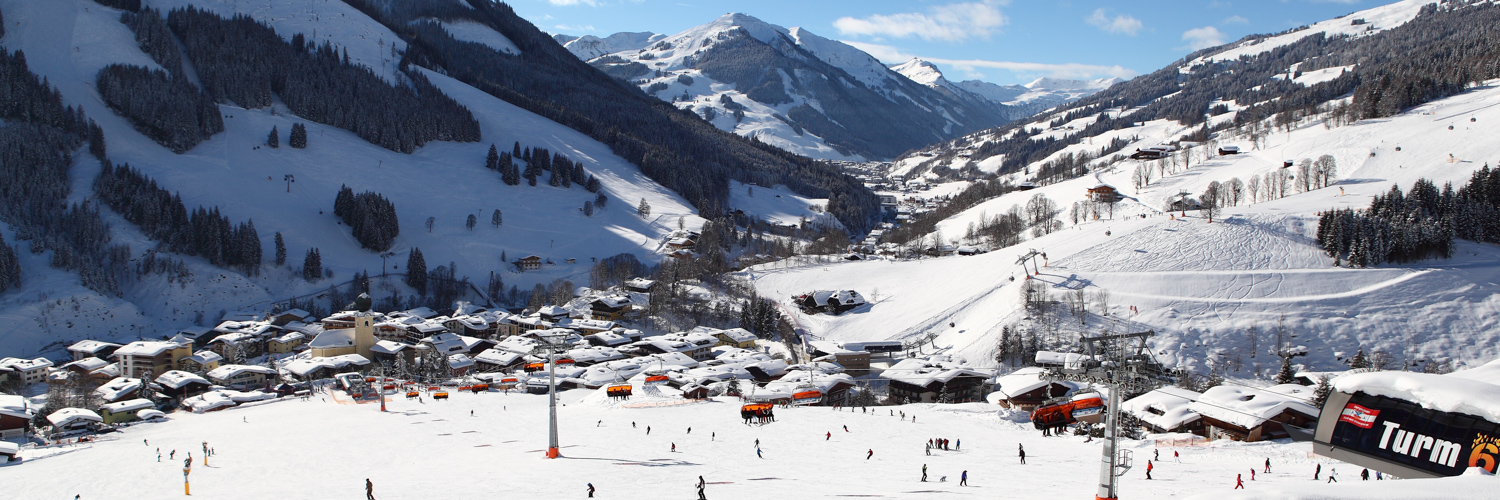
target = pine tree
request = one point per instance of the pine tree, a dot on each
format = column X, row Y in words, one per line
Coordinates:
column 592, row 185
column 495, row 218
column 273, row 140
column 416, row 271
column 588, row 209
column 644, row 209
column 298, row 139
column 312, row 266
column 1322, row 391
column 1285, row 375
column 1359, row 361
column 600, row 200
column 492, row 160
column 515, row 150
column 471, row 222
column 280, row 250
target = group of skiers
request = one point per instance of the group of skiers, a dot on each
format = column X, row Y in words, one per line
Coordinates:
column 942, row 444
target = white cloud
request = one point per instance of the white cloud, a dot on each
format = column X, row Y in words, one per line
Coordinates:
column 587, row 28
column 1235, row 20
column 884, row 53
column 1202, row 38
column 1073, row 71
column 952, row 22
column 1121, row 24
column 565, row 3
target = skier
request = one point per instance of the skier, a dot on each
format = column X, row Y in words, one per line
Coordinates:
column 599, row 423
column 1316, row 471
column 1268, row 465
column 712, row 436
column 1149, row 466
column 963, row 479
column 1332, row 472
column 757, row 453
column 700, row 491
column 929, row 449
column 1364, row 475
column 172, row 455
column 1379, row 476
column 1239, row 483
column 1252, row 473
column 958, row 443
column 369, row 489
column 591, row 490
column 1176, row 456
column 870, row 454
column 846, row 428
column 146, row 442
column 690, row 430
column 1157, row 456
column 924, row 473
column 827, row 436
column 1023, row 456
column 674, row 447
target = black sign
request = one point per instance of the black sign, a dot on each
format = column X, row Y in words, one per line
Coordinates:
column 1402, row 432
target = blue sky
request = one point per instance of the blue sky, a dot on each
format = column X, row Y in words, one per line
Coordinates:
column 1001, row 41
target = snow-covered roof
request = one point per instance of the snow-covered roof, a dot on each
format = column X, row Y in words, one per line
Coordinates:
column 459, row 361
column 26, row 364
column 1458, row 392
column 290, row 337
column 518, row 344
column 423, row 312
column 921, row 372
column 737, row 334
column 497, row 356
column 639, row 283
column 1249, row 407
column 177, row 379
column 343, row 337
column 227, row 372
column 388, row 347
column 87, row 364
column 447, row 343
column 130, row 405
column 246, row 327
column 306, row 366
column 552, row 310
column 205, row 357
column 614, row 301
column 146, row 348
column 610, row 338
column 69, row 416
column 1025, row 380
column 1165, row 408
column 845, row 297
column 90, row 346
column 214, row 400
column 585, row 324
column 118, row 388
column 14, row 406
column 149, row 414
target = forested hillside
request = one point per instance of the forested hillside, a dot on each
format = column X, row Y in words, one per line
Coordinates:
column 673, row 147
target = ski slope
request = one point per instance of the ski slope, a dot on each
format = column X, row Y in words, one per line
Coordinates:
column 1201, row 287
column 322, row 449
column 68, row 41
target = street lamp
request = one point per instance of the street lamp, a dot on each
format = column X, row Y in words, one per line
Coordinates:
column 289, row 178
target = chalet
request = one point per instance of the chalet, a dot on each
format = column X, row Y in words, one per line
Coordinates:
column 15, row 416
column 10, row 451
column 680, row 243
column 824, row 350
column 147, row 359
column 92, row 349
column 829, row 301
column 496, row 359
column 1104, row 194
column 612, row 338
column 120, row 389
column 199, row 335
column 736, row 337
column 585, row 326
column 552, row 314
column 1244, row 413
column 88, row 368
column 179, row 384
column 640, row 285
column 1027, row 388
column 28, row 371
column 123, row 411
column 387, row 352
column 610, row 307
column 241, row 376
column 318, row 368
column 73, row 419
column 1229, row 150
column 345, row 319
column 529, row 263
column 935, row 379
column 971, row 250
column 423, row 312
column 291, row 316
column 1026, row 186
column 460, row 364
column 834, row 386
column 1166, row 410
column 286, row 343
column 200, row 362
column 6, row 375
column 479, row 325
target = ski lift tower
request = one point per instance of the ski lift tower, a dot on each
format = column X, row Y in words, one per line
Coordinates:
column 1031, row 257
column 1122, row 362
column 552, row 343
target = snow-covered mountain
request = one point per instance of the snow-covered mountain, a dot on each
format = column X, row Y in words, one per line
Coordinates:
column 589, row 46
column 793, row 89
column 1038, row 95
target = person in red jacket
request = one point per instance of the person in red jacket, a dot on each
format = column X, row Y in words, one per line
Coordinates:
column 1239, row 483
column 1149, row 466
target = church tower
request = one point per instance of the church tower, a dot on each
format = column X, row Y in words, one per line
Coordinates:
column 364, row 327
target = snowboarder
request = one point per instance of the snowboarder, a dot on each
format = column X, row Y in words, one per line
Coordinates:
column 1268, row 465
column 369, row 489
column 870, row 454
column 924, row 473
column 1332, row 472
column 591, row 490
column 1364, row 475
column 712, row 436
column 963, row 479
column 1149, row 467
column 1316, row 471
column 1239, row 483
column 1156, row 455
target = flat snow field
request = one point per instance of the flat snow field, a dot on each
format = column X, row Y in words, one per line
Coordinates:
column 321, row 449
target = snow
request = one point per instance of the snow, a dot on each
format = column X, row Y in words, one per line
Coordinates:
column 1023, row 381
column 1474, row 483
column 227, row 372
column 1248, row 407
column 68, row 416
column 471, row 31
column 1172, row 403
column 508, row 432
column 1456, row 393
column 117, row 388
column 124, row 406
column 177, row 379
column 777, row 205
column 1379, row 19
column 446, row 181
column 588, row 47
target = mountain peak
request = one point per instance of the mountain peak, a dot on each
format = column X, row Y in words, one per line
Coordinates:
column 922, row 72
